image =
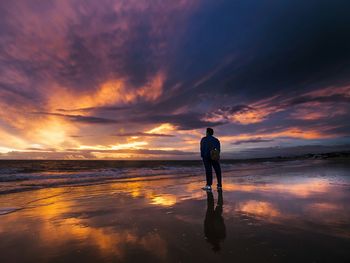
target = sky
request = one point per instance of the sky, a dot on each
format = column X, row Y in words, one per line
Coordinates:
column 143, row 79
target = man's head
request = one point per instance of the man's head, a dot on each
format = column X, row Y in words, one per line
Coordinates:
column 210, row 131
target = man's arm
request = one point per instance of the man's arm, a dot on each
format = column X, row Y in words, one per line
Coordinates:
column 202, row 147
column 219, row 147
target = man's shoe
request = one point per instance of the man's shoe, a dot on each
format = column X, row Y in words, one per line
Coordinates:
column 207, row 188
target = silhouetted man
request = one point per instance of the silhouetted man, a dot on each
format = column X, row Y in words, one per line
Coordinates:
column 214, row 225
column 210, row 153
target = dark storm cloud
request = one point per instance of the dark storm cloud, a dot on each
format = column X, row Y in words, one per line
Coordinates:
column 343, row 130
column 275, row 48
column 328, row 125
column 111, row 108
column 40, row 149
column 303, row 44
column 142, row 134
column 338, row 98
column 81, row 118
column 8, row 90
column 280, row 47
column 321, row 110
column 244, row 67
column 187, row 121
column 290, row 46
column 82, row 44
column 254, row 140
column 82, row 68
column 91, row 119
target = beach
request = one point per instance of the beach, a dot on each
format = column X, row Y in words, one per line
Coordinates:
column 292, row 211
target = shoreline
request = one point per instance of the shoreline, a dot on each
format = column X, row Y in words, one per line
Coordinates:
column 36, row 179
column 333, row 155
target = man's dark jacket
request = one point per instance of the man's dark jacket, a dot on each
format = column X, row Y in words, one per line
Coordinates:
column 207, row 144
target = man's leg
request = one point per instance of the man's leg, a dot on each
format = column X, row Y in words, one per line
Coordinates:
column 217, row 169
column 208, row 171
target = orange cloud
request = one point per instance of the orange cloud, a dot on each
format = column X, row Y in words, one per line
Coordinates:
column 316, row 111
column 49, row 131
column 329, row 91
column 164, row 128
column 246, row 114
column 28, row 130
column 249, row 117
column 294, row 133
column 112, row 92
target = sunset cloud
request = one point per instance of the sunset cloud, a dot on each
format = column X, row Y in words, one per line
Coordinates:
column 78, row 78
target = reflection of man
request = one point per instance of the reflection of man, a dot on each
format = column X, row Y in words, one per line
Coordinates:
column 214, row 225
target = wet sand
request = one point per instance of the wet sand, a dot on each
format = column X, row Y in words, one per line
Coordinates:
column 291, row 213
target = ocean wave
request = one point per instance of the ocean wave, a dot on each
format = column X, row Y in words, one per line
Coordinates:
column 15, row 179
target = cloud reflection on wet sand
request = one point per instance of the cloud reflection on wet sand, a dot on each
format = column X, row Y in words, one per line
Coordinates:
column 111, row 220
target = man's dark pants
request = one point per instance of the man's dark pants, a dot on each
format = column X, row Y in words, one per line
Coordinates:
column 208, row 164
